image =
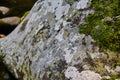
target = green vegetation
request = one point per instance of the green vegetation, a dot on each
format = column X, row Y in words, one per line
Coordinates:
column 104, row 24
column 24, row 15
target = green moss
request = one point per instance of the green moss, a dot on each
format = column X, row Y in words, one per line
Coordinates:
column 104, row 24
column 114, row 77
column 1, row 21
column 24, row 15
column 113, row 60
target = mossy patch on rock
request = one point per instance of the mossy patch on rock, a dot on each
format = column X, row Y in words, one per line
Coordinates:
column 104, row 24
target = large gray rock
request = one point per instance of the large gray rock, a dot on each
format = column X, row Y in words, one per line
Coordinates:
column 46, row 44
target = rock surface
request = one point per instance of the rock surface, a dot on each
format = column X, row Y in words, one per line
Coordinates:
column 73, row 74
column 47, row 43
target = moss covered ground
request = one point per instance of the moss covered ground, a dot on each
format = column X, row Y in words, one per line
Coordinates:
column 104, row 24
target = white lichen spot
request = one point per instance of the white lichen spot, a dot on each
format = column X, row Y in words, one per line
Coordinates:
column 59, row 37
column 58, row 24
column 71, row 72
column 95, row 55
column 54, row 5
column 117, row 69
column 65, row 23
column 76, row 37
column 68, row 56
column 88, row 75
column 60, row 11
column 82, row 4
column 109, row 69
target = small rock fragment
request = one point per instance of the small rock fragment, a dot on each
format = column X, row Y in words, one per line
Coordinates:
column 11, row 20
column 73, row 74
column 2, row 35
column 107, row 19
column 4, row 10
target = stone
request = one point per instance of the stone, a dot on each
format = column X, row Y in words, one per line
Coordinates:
column 109, row 69
column 117, row 69
column 73, row 74
column 106, row 77
column 107, row 19
column 86, row 67
column 2, row 35
column 89, row 75
column 4, row 10
column 11, row 20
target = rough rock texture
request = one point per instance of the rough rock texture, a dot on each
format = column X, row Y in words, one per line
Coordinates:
column 47, row 43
